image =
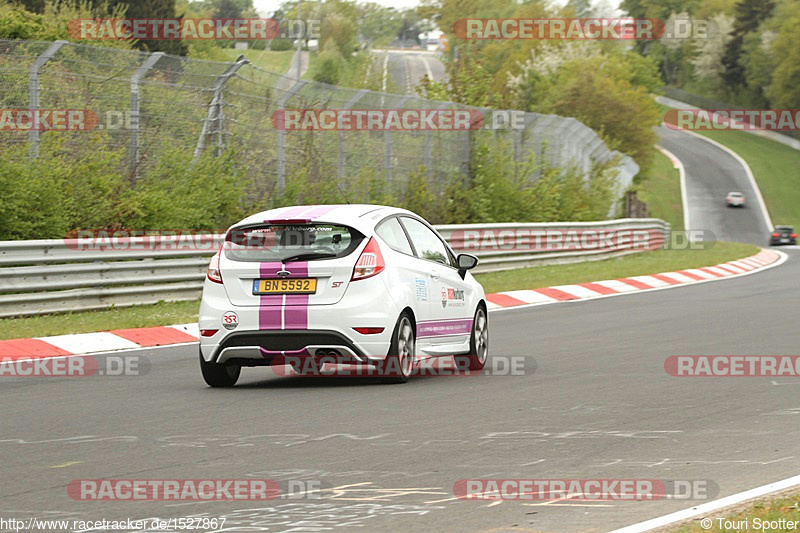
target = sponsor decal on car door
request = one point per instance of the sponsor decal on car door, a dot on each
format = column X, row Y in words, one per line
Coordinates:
column 451, row 320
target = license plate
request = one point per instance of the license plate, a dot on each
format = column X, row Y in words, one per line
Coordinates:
column 285, row 286
column 784, row 240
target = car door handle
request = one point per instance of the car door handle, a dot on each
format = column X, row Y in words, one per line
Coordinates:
column 435, row 274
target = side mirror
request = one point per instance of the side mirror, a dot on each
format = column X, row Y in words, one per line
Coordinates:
column 465, row 262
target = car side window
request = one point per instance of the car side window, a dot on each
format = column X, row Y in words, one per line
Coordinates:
column 427, row 244
column 392, row 234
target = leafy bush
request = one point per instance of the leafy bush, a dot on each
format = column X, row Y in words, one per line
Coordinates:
column 88, row 187
column 281, row 45
column 418, row 196
column 329, row 67
column 56, row 21
column 503, row 190
column 179, row 193
column 61, row 190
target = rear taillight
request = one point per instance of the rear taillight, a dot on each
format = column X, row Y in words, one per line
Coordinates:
column 213, row 269
column 793, row 235
column 369, row 331
column 370, row 262
column 208, row 332
column 776, row 234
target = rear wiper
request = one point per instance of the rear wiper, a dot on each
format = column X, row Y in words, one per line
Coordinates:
column 306, row 256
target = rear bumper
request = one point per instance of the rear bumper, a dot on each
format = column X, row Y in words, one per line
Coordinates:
column 327, row 327
column 257, row 348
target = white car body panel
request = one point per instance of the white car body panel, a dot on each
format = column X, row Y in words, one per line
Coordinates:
column 265, row 324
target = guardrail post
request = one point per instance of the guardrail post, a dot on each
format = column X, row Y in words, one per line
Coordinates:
column 33, row 95
column 341, row 138
column 215, row 109
column 282, row 137
column 140, row 73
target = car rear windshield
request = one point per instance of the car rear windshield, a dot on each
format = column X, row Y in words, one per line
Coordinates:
column 736, row 194
column 292, row 242
column 790, row 229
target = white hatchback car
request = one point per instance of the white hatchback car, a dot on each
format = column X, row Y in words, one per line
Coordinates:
column 367, row 283
column 735, row 199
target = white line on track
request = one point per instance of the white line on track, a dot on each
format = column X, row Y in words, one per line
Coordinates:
column 428, row 70
column 706, row 508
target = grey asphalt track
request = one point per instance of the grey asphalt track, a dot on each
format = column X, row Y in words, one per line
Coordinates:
column 599, row 405
column 711, row 173
column 407, row 68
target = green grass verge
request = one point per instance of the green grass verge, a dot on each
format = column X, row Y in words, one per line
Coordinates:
column 313, row 62
column 776, row 168
column 267, row 59
column 140, row 316
column 639, row 264
column 661, row 189
column 166, row 313
column 752, row 519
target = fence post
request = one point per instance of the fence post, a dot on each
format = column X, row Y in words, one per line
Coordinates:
column 281, row 148
column 215, row 107
column 140, row 73
column 341, row 134
column 387, row 141
column 33, row 96
column 429, row 146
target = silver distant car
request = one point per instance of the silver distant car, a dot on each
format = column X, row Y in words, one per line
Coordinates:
column 735, row 199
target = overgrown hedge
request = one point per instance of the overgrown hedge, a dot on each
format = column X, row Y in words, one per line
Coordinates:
column 88, row 186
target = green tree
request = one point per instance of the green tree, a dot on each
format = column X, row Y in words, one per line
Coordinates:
column 749, row 15
column 150, row 9
column 377, row 24
column 622, row 114
column 783, row 89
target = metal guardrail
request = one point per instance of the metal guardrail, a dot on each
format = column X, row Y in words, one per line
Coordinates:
column 51, row 276
column 519, row 249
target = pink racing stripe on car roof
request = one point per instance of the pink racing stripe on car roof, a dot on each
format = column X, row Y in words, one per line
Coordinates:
column 303, row 212
column 295, row 307
column 320, row 210
column 269, row 307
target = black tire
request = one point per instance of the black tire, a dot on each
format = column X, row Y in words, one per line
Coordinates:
column 479, row 340
column 402, row 356
column 217, row 375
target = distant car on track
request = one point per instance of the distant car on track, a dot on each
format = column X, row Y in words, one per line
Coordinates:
column 783, row 235
column 368, row 283
column 735, row 199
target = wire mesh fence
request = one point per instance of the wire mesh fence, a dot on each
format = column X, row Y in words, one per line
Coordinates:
column 146, row 104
